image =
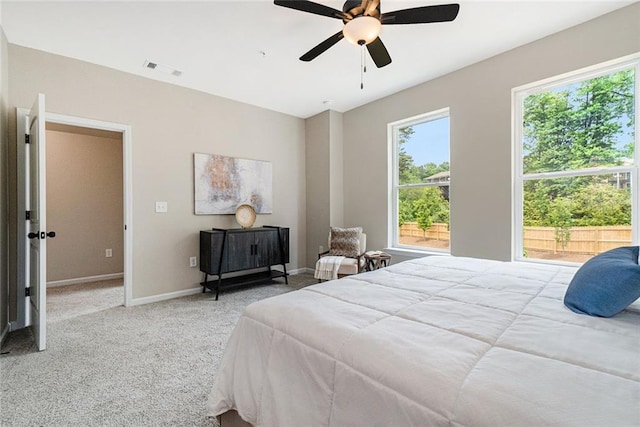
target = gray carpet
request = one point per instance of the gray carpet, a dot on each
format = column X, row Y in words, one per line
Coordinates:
column 150, row 365
column 65, row 302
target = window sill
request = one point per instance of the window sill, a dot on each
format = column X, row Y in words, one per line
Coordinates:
column 413, row 253
column 549, row 262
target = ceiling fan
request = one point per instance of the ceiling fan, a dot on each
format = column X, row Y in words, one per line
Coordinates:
column 363, row 21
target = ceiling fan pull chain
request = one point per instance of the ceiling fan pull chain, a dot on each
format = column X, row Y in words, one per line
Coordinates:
column 364, row 59
column 363, row 66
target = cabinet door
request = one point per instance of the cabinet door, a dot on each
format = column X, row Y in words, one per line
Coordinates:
column 284, row 237
column 275, row 252
column 266, row 244
column 210, row 250
column 211, row 243
column 240, row 251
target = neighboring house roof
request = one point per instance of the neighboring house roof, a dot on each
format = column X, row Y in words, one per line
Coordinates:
column 440, row 176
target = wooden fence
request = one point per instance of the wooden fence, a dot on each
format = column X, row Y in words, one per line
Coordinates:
column 437, row 231
column 582, row 240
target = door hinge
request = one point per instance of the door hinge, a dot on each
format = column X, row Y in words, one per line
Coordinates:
column 27, row 292
column 27, row 139
column 28, row 216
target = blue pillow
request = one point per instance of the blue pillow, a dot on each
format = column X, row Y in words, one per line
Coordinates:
column 606, row 284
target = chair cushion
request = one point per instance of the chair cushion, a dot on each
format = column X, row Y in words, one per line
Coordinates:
column 606, row 284
column 348, row 266
column 345, row 241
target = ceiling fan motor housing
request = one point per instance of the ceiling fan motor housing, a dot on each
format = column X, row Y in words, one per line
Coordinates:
column 354, row 8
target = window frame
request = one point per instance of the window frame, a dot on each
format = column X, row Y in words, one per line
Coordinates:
column 393, row 128
column 519, row 94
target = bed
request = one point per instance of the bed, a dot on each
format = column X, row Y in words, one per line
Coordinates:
column 437, row 341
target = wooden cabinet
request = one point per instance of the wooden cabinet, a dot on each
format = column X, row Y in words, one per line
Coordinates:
column 237, row 250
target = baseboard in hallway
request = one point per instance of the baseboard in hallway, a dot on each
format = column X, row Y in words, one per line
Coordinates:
column 88, row 279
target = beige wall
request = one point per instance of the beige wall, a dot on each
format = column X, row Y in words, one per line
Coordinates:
column 317, row 183
column 479, row 98
column 336, row 169
column 324, row 180
column 169, row 124
column 84, row 203
column 4, row 205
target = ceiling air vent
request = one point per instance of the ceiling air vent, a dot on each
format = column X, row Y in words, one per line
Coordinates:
column 162, row 68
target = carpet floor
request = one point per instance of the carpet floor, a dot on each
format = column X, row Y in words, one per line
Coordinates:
column 150, row 365
column 65, row 302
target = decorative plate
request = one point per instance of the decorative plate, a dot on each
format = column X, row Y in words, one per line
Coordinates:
column 245, row 215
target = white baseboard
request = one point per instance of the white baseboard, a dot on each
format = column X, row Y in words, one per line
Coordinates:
column 162, row 297
column 301, row 271
column 192, row 291
column 67, row 282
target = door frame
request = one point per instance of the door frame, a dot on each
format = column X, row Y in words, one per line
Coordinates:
column 22, row 114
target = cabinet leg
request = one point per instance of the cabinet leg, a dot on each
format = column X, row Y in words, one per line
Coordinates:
column 204, row 283
column 218, row 286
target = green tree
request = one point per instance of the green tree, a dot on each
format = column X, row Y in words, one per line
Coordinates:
column 406, row 168
column 431, row 207
column 600, row 106
column 561, row 219
column 578, row 126
column 547, row 132
column 602, row 204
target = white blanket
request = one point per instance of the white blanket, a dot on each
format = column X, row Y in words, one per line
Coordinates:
column 327, row 267
column 440, row 341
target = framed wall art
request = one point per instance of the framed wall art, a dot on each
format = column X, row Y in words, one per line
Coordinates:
column 223, row 183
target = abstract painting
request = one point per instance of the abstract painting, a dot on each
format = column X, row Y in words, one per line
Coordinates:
column 222, row 183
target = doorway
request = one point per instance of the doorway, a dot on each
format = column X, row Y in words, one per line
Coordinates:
column 87, row 126
column 84, row 180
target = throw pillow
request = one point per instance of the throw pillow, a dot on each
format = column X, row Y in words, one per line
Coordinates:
column 345, row 241
column 606, row 284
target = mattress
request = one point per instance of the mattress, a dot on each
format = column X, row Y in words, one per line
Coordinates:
column 437, row 341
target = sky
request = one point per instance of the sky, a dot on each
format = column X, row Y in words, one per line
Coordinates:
column 430, row 142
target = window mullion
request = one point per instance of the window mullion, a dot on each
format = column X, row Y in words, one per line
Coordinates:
column 577, row 172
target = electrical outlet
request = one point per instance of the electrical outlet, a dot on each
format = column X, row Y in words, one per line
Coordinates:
column 162, row 207
column 320, row 249
column 108, row 253
column 193, row 261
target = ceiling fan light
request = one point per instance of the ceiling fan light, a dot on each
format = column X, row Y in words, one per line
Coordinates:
column 362, row 28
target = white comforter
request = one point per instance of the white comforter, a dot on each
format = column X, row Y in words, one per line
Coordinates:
column 439, row 341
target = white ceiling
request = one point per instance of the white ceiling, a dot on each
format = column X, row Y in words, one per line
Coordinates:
column 218, row 44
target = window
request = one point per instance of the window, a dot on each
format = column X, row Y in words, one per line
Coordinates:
column 576, row 176
column 420, row 182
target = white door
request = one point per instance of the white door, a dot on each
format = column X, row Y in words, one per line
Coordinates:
column 37, row 279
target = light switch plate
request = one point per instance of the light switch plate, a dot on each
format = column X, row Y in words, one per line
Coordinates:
column 162, row 207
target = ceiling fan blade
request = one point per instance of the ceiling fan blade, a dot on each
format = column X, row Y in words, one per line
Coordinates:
column 379, row 53
column 313, row 53
column 422, row 15
column 312, row 7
